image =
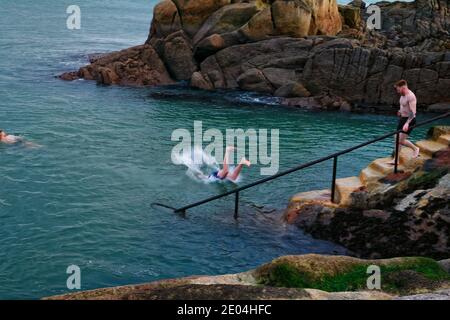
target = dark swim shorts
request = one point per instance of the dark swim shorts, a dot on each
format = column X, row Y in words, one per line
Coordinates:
column 215, row 175
column 401, row 123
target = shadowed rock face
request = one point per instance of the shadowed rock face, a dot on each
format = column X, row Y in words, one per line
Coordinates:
column 320, row 52
column 340, row 67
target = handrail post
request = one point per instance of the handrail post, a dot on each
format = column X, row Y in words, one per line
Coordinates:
column 397, row 147
column 236, row 206
column 333, row 184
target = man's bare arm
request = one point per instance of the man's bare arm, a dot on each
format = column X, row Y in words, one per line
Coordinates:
column 413, row 108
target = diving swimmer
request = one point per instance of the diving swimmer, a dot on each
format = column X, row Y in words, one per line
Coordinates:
column 224, row 173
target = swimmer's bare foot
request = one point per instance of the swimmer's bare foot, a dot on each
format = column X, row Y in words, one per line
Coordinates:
column 245, row 162
column 416, row 153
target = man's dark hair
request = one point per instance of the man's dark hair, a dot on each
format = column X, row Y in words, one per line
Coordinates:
column 401, row 83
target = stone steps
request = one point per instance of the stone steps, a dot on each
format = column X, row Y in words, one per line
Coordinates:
column 378, row 169
column 408, row 162
column 427, row 149
column 430, row 147
column 312, row 195
column 369, row 175
column 345, row 187
column 444, row 139
column 383, row 166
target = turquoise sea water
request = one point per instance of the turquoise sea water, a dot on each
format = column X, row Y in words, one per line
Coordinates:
column 84, row 197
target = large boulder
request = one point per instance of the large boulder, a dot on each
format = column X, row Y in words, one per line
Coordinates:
column 226, row 19
column 292, row 89
column 326, row 19
column 139, row 66
column 166, row 19
column 254, row 80
column 194, row 13
column 272, row 60
column 178, row 56
column 260, row 26
column 199, row 81
column 217, row 42
column 300, row 18
column 292, row 18
column 351, row 16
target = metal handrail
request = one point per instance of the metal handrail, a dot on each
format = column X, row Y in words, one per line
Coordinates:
column 333, row 156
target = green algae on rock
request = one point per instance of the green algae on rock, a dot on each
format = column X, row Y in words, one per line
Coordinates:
column 305, row 277
column 334, row 274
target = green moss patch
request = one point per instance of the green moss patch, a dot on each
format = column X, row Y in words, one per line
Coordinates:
column 399, row 276
column 426, row 180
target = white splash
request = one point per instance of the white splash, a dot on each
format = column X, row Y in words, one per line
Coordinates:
column 201, row 172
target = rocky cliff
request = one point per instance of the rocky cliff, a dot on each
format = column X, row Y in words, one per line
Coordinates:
column 311, row 53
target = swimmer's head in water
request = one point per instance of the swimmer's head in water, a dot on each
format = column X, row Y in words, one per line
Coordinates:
column 2, row 134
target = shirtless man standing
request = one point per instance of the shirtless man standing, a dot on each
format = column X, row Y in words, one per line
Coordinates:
column 407, row 115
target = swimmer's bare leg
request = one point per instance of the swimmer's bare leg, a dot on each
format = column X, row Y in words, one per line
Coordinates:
column 223, row 173
column 238, row 169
